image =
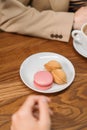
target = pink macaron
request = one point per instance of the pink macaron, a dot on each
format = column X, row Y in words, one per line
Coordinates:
column 43, row 80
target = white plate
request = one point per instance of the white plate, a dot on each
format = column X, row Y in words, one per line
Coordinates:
column 80, row 48
column 36, row 63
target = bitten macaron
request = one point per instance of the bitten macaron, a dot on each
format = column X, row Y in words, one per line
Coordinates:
column 43, row 80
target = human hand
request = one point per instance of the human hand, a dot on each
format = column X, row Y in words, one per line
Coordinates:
column 33, row 115
column 80, row 17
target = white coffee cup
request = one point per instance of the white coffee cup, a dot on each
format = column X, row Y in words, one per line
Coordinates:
column 80, row 36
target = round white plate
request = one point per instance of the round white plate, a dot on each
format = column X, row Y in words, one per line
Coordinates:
column 80, row 48
column 36, row 63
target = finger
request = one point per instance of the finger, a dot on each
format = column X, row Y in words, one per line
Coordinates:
column 36, row 108
column 29, row 104
column 44, row 110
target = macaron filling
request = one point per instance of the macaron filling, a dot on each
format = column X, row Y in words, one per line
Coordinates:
column 42, row 87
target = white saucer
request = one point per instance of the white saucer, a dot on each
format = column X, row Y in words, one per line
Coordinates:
column 80, row 49
column 36, row 63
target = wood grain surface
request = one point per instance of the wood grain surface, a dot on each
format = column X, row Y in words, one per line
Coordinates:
column 69, row 106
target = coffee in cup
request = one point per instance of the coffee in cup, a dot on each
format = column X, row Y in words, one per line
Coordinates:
column 85, row 29
column 80, row 36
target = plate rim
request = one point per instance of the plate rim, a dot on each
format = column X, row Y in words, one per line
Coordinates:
column 75, row 44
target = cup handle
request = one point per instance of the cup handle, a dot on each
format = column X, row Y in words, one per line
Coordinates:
column 75, row 35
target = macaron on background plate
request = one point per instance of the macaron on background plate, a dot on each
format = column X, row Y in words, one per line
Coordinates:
column 43, row 80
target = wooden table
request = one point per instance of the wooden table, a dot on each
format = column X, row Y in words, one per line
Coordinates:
column 70, row 105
